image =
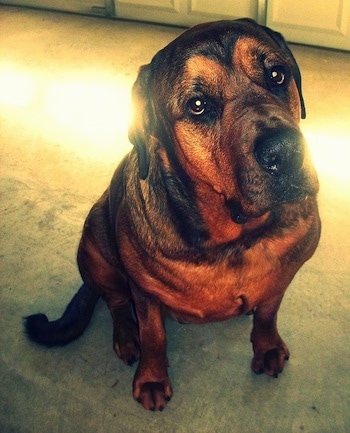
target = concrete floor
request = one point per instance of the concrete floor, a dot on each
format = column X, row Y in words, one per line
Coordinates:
column 64, row 86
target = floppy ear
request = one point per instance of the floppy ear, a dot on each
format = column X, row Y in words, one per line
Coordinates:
column 279, row 39
column 142, row 120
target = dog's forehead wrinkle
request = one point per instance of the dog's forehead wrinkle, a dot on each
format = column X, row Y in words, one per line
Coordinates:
column 212, row 42
column 209, row 69
column 202, row 66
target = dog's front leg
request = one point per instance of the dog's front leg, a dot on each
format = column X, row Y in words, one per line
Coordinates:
column 270, row 351
column 151, row 387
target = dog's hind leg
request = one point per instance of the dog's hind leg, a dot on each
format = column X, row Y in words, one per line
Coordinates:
column 108, row 278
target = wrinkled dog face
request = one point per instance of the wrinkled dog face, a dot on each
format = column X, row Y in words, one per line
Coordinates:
column 231, row 102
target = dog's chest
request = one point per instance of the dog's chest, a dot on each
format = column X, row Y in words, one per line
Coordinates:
column 210, row 292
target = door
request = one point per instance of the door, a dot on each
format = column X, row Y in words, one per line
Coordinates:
column 185, row 12
column 324, row 23
column 95, row 7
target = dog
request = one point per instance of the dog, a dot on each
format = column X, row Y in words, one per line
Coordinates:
column 212, row 212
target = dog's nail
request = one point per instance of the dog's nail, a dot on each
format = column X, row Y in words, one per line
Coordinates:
column 153, row 409
column 167, row 398
column 139, row 399
column 161, row 408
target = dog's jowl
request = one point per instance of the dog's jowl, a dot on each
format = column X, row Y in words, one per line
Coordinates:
column 211, row 214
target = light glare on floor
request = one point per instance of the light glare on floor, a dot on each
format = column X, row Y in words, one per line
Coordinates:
column 86, row 111
column 16, row 87
column 94, row 111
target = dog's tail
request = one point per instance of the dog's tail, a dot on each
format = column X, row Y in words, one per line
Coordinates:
column 70, row 326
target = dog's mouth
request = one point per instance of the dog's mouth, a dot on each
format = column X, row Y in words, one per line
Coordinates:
column 237, row 214
column 241, row 215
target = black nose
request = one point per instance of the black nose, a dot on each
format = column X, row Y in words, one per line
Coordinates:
column 280, row 152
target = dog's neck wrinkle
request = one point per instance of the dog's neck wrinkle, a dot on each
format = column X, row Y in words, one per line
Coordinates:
column 180, row 196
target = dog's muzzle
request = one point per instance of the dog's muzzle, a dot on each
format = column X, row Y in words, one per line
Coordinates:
column 280, row 152
column 281, row 175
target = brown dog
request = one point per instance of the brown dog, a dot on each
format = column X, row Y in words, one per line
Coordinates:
column 212, row 213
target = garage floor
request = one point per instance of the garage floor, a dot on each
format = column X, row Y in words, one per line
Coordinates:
column 64, row 87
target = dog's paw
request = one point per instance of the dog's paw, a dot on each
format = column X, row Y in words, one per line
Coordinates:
column 271, row 361
column 127, row 351
column 152, row 395
column 126, row 344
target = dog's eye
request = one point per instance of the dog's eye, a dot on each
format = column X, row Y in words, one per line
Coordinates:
column 277, row 75
column 198, row 106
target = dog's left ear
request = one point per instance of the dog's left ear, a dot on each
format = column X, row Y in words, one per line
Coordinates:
column 279, row 39
column 142, row 120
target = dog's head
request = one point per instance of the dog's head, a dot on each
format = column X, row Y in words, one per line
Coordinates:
column 223, row 102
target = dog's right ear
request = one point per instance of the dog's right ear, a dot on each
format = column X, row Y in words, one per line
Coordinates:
column 142, row 123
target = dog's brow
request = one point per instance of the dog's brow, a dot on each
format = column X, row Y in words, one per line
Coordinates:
column 205, row 73
column 248, row 48
column 198, row 84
